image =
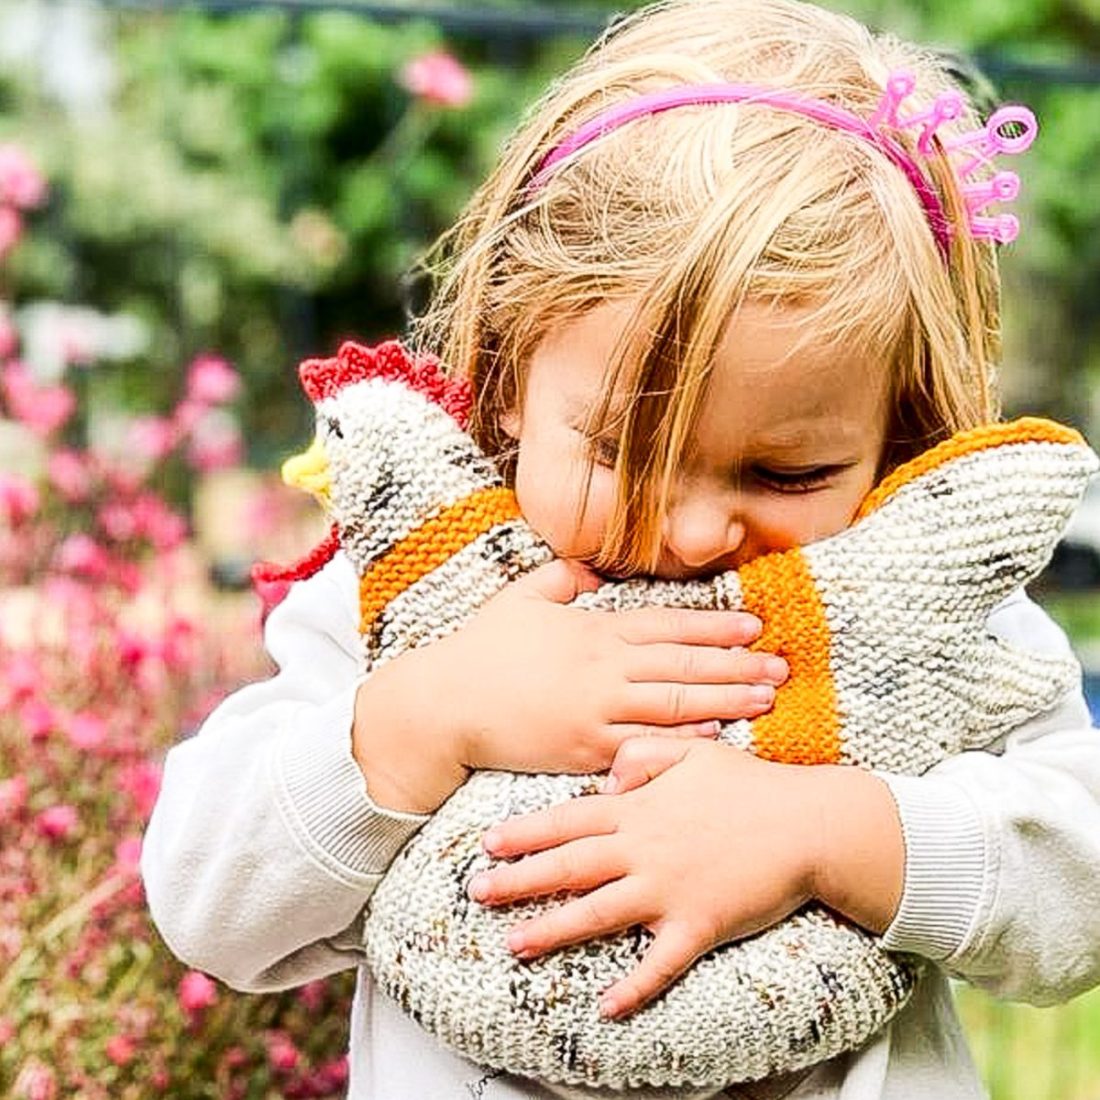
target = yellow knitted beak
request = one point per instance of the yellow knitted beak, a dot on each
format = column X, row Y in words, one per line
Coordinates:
column 309, row 471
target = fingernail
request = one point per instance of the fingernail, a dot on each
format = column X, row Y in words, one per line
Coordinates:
column 478, row 888
column 608, row 1006
column 491, row 839
column 610, row 785
column 516, row 943
column 711, row 729
column 776, row 670
column 762, row 695
column 752, row 623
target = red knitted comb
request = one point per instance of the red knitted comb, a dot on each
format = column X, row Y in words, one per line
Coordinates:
column 323, row 378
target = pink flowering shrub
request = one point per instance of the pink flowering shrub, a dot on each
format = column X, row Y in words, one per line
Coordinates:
column 111, row 647
column 438, row 78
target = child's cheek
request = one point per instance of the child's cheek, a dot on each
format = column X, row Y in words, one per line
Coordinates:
column 550, row 495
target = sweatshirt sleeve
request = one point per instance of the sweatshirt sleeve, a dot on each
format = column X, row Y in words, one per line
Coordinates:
column 1002, row 874
column 264, row 844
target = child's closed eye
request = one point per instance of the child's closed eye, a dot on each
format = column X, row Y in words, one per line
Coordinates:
column 603, row 449
column 796, row 480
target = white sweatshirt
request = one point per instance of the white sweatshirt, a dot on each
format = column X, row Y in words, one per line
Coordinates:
column 264, row 847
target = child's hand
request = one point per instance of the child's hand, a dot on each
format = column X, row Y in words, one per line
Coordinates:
column 534, row 686
column 705, row 844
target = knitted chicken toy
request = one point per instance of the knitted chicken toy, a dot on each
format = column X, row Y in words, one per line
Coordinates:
column 891, row 667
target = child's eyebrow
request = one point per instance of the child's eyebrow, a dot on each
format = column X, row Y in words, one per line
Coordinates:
column 582, row 409
column 834, row 436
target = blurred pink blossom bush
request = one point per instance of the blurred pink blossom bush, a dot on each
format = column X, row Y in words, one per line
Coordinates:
column 22, row 187
column 438, row 78
column 111, row 645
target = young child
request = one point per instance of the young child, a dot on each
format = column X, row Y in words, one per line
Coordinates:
column 697, row 332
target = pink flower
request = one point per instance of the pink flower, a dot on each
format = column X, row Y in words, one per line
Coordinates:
column 438, row 78
column 57, row 822
column 86, row 731
column 128, row 577
column 70, row 474
column 122, row 478
column 18, row 498
column 22, row 676
column 43, row 409
column 132, row 648
column 141, row 781
column 282, row 1054
column 177, row 644
column 212, row 381
column 13, row 797
column 334, row 1075
column 35, row 1082
column 117, row 521
column 38, row 719
column 9, row 338
column 120, row 1049
column 83, row 555
column 54, row 406
column 196, row 992
column 216, row 444
column 11, row 229
column 21, row 184
column 234, row 1058
column 312, row 995
column 187, row 414
column 153, row 437
column 155, row 521
column 128, row 855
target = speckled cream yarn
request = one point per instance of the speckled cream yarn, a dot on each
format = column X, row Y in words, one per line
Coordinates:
column 891, row 667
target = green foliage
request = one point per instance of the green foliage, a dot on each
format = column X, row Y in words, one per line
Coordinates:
column 263, row 182
column 1030, row 1053
column 260, row 186
column 1052, row 319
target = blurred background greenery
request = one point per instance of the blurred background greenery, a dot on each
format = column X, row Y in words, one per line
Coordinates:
column 257, row 179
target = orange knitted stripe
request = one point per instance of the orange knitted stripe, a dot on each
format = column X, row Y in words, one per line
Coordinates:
column 1028, row 429
column 803, row 727
column 429, row 546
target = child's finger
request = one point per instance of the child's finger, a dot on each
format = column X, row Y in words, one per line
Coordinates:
column 686, row 731
column 702, row 664
column 673, row 704
column 579, row 865
column 641, row 759
column 609, row 909
column 548, row 828
column 673, row 950
column 688, row 626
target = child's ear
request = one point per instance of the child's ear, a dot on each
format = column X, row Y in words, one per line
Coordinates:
column 510, row 422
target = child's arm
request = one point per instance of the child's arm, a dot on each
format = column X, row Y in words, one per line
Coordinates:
column 531, row 685
column 264, row 844
column 276, row 821
column 1000, row 858
column 1003, row 873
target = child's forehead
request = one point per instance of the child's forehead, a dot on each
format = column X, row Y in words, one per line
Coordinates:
column 770, row 358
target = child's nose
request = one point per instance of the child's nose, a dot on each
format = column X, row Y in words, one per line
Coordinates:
column 701, row 531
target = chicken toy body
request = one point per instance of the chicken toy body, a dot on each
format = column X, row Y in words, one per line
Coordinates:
column 883, row 626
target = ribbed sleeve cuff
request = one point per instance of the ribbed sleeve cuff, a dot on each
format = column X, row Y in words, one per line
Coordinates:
column 326, row 795
column 946, row 863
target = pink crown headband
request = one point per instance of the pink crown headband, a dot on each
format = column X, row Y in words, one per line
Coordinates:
column 976, row 148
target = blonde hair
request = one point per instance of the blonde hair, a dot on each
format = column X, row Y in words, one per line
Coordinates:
column 693, row 211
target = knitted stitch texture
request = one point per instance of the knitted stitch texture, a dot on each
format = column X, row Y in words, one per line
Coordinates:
column 883, row 626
